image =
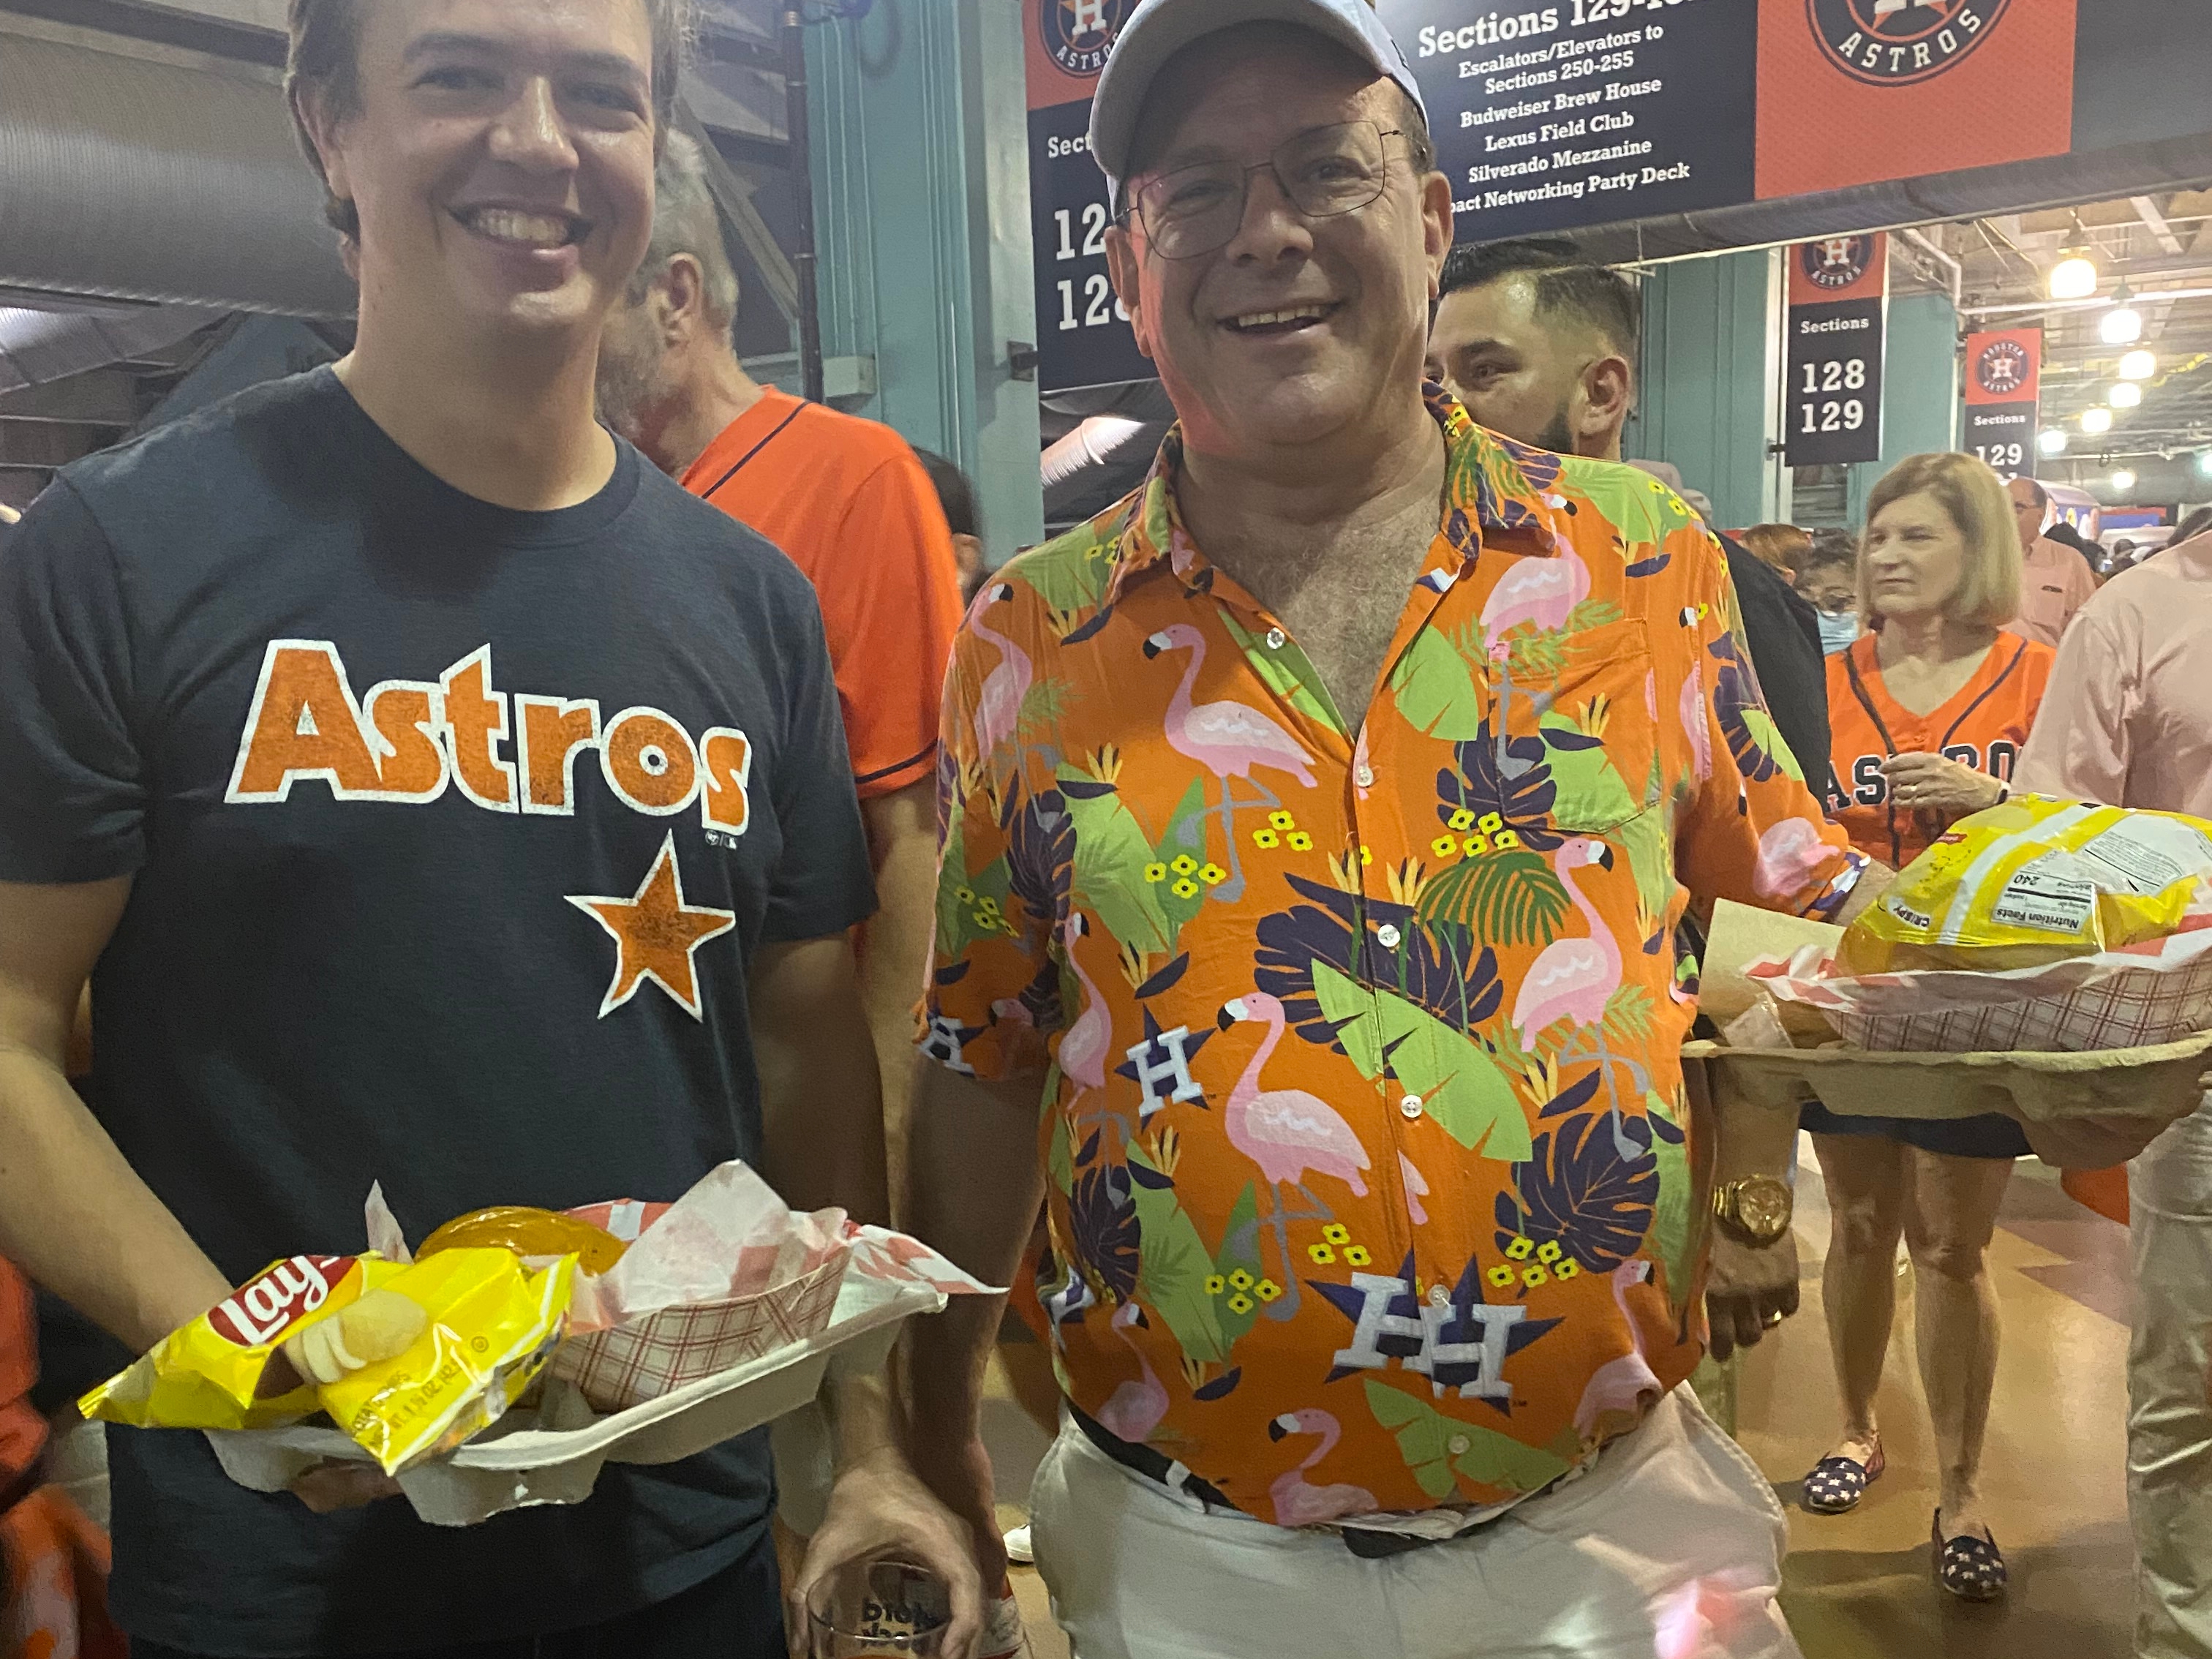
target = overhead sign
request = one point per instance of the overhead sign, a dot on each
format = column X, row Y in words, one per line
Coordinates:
column 2004, row 380
column 1555, row 114
column 1084, row 338
column 1585, row 111
column 1837, row 321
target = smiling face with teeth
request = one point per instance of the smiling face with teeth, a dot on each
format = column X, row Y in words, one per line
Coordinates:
column 1300, row 332
column 501, row 160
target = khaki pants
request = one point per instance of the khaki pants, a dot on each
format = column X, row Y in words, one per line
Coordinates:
column 1670, row 1548
column 2169, row 1370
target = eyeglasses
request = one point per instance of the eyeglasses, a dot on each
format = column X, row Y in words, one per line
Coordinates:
column 1326, row 172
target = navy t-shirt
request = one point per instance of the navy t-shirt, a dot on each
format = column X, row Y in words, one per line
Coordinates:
column 452, row 829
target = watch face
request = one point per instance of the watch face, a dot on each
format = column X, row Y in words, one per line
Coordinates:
column 1762, row 1208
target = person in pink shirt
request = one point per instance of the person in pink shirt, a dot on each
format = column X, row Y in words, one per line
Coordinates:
column 2127, row 722
column 2055, row 582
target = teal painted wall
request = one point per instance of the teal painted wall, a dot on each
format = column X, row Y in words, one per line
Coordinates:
column 1919, row 391
column 1710, row 378
column 920, row 181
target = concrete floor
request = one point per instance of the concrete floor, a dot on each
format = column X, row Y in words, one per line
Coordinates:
column 1859, row 1586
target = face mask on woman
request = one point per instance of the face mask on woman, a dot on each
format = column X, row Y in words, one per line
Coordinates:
column 1838, row 629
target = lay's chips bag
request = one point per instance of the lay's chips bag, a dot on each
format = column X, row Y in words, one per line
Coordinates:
column 410, row 1361
column 2034, row 881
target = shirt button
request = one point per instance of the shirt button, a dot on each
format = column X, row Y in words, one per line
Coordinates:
column 1388, row 936
column 1277, row 639
column 1410, row 1106
column 1364, row 777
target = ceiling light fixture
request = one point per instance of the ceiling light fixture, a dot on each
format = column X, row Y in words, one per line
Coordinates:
column 2125, row 394
column 2123, row 325
column 2096, row 418
column 2124, row 481
column 2138, row 366
column 2053, row 442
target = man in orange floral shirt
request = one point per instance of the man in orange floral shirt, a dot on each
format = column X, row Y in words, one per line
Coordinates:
column 1317, row 828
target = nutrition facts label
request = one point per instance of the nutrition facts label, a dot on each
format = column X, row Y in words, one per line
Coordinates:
column 1584, row 112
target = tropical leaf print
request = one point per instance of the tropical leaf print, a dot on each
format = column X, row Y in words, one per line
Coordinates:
column 1074, row 574
column 1111, row 854
column 1039, row 853
column 1174, row 1266
column 1105, row 1220
column 975, row 908
column 1511, row 897
column 1628, row 1016
column 1460, row 1085
column 1060, row 1159
column 1238, row 1288
column 1544, row 653
column 1435, row 968
column 1752, row 737
column 1673, row 1238
column 1436, row 1447
column 1436, row 688
column 1649, row 841
column 1591, row 793
column 1181, row 875
column 1479, row 787
column 1279, row 670
column 1643, row 509
column 1575, row 1192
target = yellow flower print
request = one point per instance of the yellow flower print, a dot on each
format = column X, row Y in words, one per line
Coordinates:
column 1444, row 846
column 1265, row 838
column 1522, row 1249
column 1267, row 1290
column 1550, row 1252
column 1475, row 846
column 1320, row 1254
column 1532, row 1277
column 1502, row 1277
column 1241, row 1279
column 1281, row 821
column 1155, row 873
column 1337, row 1233
column 965, row 895
column 1462, row 820
column 1215, row 1284
column 1300, row 842
column 1213, row 875
column 1185, row 889
column 1240, row 1303
column 1355, row 1254
column 1184, row 864
column 1566, row 1270
column 1367, row 855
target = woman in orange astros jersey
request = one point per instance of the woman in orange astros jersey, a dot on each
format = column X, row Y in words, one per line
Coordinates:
column 1928, row 710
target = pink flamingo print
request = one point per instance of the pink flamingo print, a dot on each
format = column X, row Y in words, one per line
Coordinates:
column 1083, row 1045
column 1790, row 854
column 1697, row 722
column 1135, row 1409
column 1298, row 1502
column 1544, row 592
column 1417, row 1189
column 1619, row 1385
column 999, row 704
column 1576, row 978
column 1288, row 1132
column 1228, row 739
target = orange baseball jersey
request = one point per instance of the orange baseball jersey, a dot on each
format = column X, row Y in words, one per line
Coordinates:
column 1985, row 726
column 848, row 503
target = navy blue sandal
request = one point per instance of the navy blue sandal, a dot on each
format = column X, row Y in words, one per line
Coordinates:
column 1836, row 1484
column 1973, row 1568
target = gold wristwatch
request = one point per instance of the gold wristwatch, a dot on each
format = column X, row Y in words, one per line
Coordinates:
column 1756, row 1209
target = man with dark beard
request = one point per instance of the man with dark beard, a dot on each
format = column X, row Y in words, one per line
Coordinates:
column 1540, row 345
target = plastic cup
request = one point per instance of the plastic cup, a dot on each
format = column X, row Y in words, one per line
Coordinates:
column 878, row 1607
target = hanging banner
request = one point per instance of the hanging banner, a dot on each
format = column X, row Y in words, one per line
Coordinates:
column 2004, row 380
column 1084, row 338
column 1837, row 321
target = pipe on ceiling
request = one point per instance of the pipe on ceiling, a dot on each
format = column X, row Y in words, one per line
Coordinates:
column 129, row 178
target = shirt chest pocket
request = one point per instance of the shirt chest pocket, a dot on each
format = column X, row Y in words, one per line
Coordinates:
column 1577, row 717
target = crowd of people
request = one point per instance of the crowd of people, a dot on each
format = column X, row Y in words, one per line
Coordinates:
column 531, row 760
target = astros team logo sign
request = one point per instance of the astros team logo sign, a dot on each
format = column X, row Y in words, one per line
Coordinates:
column 1894, row 43
column 1077, row 32
column 1837, row 262
column 2001, row 369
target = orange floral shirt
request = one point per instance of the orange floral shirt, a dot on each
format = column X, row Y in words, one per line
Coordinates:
column 1369, row 1171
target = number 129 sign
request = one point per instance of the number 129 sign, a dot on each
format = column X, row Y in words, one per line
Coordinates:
column 1838, row 305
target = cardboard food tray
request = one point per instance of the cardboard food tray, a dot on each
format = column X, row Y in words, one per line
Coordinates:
column 523, row 1461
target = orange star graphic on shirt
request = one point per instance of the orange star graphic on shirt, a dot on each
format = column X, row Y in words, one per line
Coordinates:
column 656, row 934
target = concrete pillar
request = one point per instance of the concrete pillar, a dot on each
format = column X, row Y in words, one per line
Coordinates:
column 1710, row 385
column 1919, row 391
column 920, row 180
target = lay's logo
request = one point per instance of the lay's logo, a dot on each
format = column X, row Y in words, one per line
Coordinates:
column 257, row 1314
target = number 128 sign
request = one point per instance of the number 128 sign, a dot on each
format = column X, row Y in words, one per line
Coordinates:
column 1838, row 310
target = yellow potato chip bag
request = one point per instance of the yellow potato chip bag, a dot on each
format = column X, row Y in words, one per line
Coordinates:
column 2030, row 882
column 410, row 1361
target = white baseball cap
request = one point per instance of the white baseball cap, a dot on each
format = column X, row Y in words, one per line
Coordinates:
column 1159, row 29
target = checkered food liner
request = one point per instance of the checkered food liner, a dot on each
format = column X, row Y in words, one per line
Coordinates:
column 645, row 1358
column 2159, row 991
